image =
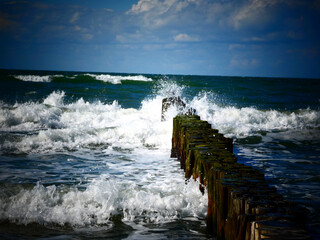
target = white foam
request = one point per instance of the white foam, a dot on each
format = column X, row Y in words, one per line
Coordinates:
column 55, row 99
column 148, row 186
column 116, row 79
column 82, row 124
column 246, row 121
column 36, row 78
column 29, row 117
column 166, row 88
column 160, row 201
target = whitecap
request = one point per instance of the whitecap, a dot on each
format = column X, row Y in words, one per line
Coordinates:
column 117, row 79
column 82, row 124
column 156, row 202
column 247, row 121
column 36, row 78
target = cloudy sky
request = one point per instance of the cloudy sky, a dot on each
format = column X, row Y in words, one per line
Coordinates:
column 277, row 38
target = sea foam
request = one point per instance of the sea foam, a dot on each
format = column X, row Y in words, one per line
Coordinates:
column 117, row 79
column 113, row 79
column 246, row 121
column 141, row 183
column 161, row 201
column 36, row 78
column 83, row 124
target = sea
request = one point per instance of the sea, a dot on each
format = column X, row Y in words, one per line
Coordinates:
column 85, row 155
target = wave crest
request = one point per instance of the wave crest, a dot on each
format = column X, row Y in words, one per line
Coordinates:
column 55, row 126
column 246, row 121
column 113, row 79
column 36, row 78
column 117, row 79
column 102, row 199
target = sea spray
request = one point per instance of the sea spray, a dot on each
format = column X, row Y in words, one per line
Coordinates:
column 148, row 188
column 161, row 200
column 84, row 145
column 83, row 124
column 117, row 79
column 246, row 121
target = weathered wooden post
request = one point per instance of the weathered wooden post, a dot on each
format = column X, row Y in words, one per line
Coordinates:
column 241, row 205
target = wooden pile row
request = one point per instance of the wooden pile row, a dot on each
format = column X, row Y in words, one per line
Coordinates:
column 241, row 205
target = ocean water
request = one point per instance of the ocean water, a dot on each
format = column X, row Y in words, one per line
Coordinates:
column 86, row 155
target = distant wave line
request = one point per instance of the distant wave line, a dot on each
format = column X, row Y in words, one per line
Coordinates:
column 114, row 79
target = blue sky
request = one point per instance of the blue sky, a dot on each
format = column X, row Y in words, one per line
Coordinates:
column 277, row 38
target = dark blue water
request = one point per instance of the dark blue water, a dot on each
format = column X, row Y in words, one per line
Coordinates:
column 85, row 155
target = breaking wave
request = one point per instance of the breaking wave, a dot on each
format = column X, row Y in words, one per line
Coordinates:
column 161, row 201
column 36, row 78
column 108, row 78
column 147, row 185
column 247, row 121
column 56, row 125
column 115, row 79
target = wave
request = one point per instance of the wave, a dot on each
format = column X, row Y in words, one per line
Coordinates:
column 157, row 202
column 83, row 124
column 147, row 186
column 36, row 78
column 248, row 121
column 59, row 126
column 113, row 79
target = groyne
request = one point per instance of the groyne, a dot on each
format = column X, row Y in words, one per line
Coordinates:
column 241, row 204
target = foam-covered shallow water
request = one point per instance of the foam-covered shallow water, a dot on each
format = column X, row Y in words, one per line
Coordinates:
column 86, row 155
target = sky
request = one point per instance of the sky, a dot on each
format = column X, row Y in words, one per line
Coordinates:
column 267, row 38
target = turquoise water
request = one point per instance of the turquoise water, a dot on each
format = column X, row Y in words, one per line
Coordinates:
column 85, row 155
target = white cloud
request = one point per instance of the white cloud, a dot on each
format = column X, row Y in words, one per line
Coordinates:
column 158, row 13
column 87, row 36
column 74, row 17
column 129, row 37
column 121, row 38
column 237, row 62
column 156, row 6
column 183, row 37
column 255, row 39
column 254, row 13
column 108, row 10
column 236, row 46
column 200, row 14
column 218, row 12
column 142, row 6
